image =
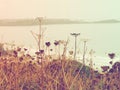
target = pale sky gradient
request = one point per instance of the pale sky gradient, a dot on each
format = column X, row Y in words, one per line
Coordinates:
column 82, row 9
column 104, row 37
column 72, row 9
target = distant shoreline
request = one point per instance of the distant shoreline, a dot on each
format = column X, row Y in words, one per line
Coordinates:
column 33, row 22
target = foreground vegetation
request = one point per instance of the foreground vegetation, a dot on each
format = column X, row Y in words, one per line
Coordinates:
column 21, row 71
column 27, row 73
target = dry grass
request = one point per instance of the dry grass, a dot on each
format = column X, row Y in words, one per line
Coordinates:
column 22, row 73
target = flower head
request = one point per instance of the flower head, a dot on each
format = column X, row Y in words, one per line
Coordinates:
column 105, row 68
column 111, row 62
column 111, row 55
column 15, row 53
column 48, row 44
column 56, row 43
column 37, row 53
column 41, row 51
column 21, row 58
column 25, row 49
column 111, row 70
column 18, row 49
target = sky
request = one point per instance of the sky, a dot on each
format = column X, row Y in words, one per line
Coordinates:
column 72, row 9
column 104, row 37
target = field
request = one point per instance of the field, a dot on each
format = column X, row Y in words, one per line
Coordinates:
column 26, row 72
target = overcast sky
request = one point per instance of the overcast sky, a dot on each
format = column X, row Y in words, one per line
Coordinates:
column 73, row 9
column 104, row 37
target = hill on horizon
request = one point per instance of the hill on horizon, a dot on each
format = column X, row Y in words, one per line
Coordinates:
column 30, row 22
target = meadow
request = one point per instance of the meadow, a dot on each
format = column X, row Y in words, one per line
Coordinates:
column 21, row 71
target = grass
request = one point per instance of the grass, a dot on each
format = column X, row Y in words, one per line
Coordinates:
column 25, row 73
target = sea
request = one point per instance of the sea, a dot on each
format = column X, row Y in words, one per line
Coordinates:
column 102, row 38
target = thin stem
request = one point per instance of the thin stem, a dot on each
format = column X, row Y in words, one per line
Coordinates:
column 39, row 37
column 84, row 52
column 75, row 47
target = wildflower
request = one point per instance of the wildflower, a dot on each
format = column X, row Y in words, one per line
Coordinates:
column 111, row 55
column 25, row 49
column 111, row 71
column 56, row 43
column 94, row 82
column 28, row 55
column 116, row 66
column 107, row 74
column 98, row 76
column 48, row 44
column 37, row 53
column 21, row 58
column 41, row 51
column 33, row 58
column 105, row 68
column 108, row 87
column 15, row 52
column 118, row 88
column 39, row 58
column 119, row 69
column 18, row 49
column 30, row 62
column 38, row 62
column 96, row 71
column 111, row 62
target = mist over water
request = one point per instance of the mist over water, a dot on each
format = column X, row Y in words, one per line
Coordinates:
column 103, row 38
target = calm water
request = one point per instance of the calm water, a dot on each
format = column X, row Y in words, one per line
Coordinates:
column 103, row 38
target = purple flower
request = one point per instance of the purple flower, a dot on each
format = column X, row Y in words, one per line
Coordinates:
column 56, row 43
column 94, row 82
column 30, row 62
column 48, row 44
column 18, row 49
column 21, row 58
column 105, row 68
column 99, row 76
column 25, row 49
column 28, row 55
column 111, row 70
column 33, row 58
column 96, row 71
column 41, row 51
column 111, row 55
column 37, row 53
column 15, row 52
column 108, row 87
column 111, row 62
